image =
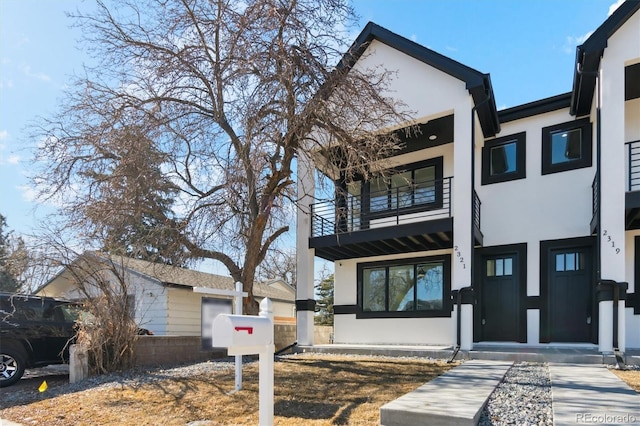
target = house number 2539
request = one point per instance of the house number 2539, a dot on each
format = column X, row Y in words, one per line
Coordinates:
column 608, row 240
column 459, row 256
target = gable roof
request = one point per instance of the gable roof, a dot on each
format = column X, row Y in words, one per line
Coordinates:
column 478, row 84
column 588, row 57
column 173, row 276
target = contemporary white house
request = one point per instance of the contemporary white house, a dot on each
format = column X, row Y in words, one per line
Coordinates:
column 511, row 227
column 162, row 297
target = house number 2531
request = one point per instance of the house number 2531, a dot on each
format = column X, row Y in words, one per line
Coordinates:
column 459, row 256
column 608, row 240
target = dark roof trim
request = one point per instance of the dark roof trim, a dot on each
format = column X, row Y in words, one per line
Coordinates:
column 534, row 108
column 588, row 57
column 478, row 84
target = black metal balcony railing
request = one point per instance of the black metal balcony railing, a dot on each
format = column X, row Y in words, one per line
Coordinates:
column 414, row 202
column 633, row 169
column 476, row 210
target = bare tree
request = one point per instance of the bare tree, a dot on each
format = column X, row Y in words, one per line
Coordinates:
column 279, row 264
column 224, row 94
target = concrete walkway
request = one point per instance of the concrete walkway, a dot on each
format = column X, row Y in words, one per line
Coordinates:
column 581, row 393
column 590, row 394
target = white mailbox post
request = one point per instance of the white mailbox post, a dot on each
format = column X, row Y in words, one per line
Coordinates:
column 250, row 335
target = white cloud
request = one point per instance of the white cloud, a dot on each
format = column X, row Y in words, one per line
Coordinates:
column 3, row 135
column 572, row 41
column 28, row 193
column 6, row 83
column 13, row 159
column 414, row 38
column 614, row 6
column 39, row 75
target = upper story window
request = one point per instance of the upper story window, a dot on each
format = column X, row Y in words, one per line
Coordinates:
column 418, row 185
column 566, row 146
column 405, row 288
column 503, row 159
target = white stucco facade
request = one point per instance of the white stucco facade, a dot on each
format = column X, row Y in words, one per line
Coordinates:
column 559, row 224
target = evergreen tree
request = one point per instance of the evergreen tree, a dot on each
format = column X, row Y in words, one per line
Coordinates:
column 324, row 302
column 11, row 251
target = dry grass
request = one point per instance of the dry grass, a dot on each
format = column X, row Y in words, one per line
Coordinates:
column 309, row 390
column 631, row 377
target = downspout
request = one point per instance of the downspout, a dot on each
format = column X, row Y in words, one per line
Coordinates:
column 459, row 293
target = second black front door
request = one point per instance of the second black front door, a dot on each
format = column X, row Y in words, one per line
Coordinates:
column 570, row 294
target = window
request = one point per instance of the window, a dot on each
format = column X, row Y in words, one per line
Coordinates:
column 419, row 185
column 500, row 267
column 566, row 146
column 405, row 288
column 503, row 159
column 569, row 262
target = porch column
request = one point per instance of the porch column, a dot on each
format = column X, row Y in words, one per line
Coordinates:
column 462, row 222
column 612, row 201
column 305, row 301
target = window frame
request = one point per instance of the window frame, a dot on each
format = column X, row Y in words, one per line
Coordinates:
column 520, row 140
column 437, row 163
column 586, row 146
column 445, row 311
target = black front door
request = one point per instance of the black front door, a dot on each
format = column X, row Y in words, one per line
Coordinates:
column 570, row 294
column 500, row 298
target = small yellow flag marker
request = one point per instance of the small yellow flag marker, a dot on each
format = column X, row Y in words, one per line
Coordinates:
column 43, row 387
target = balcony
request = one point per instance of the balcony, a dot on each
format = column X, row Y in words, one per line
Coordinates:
column 403, row 219
column 632, row 198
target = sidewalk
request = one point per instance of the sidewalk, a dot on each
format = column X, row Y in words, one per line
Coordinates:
column 591, row 394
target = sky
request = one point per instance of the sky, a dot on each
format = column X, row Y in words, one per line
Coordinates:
column 527, row 46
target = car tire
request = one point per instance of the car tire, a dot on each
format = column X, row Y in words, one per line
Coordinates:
column 13, row 361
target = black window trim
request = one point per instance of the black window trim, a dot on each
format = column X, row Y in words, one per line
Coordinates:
column 521, row 149
column 439, row 313
column 586, row 146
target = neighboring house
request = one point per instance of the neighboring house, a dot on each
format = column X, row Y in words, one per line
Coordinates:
column 528, row 217
column 163, row 297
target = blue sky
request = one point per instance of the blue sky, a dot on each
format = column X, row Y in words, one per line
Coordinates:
column 528, row 47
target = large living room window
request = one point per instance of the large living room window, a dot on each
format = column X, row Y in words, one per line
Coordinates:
column 566, row 146
column 503, row 159
column 405, row 288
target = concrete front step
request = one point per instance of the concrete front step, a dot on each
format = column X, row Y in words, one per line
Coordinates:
column 576, row 355
column 455, row 398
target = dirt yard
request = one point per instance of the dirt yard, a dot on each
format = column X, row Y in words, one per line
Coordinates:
column 309, row 390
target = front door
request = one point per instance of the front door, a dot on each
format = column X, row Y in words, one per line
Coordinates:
column 500, row 298
column 570, row 294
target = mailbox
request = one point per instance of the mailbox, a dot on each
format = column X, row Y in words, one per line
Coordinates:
column 242, row 334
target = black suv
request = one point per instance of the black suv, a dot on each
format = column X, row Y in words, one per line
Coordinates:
column 34, row 332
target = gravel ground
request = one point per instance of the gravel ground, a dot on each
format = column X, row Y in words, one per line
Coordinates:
column 523, row 398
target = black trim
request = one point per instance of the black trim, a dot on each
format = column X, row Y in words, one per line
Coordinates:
column 345, row 309
column 466, row 297
column 306, row 305
column 588, row 57
column 521, row 148
column 441, row 128
column 533, row 302
column 632, row 82
column 605, row 292
column 633, row 299
column 446, row 289
column 586, row 146
column 545, row 248
column 531, row 109
column 521, row 251
column 478, row 84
